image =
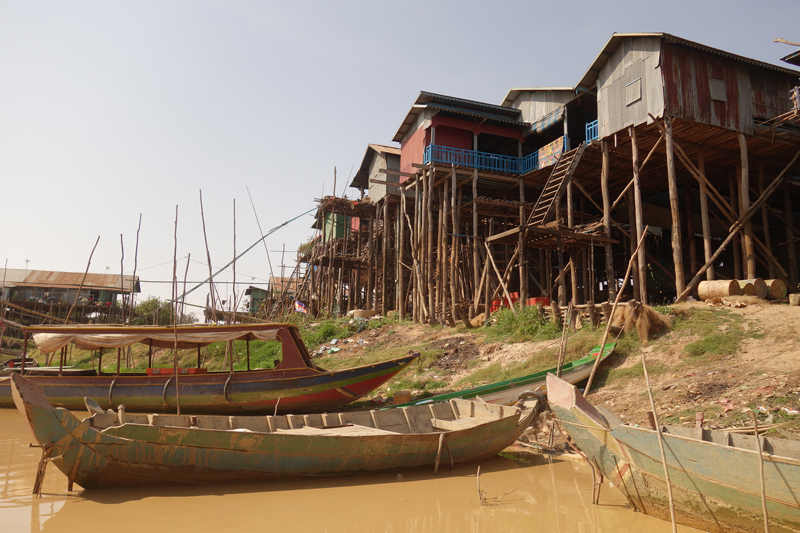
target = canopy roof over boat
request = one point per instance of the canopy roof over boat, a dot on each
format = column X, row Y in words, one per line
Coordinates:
column 94, row 337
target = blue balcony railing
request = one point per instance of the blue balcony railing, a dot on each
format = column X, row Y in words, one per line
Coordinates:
column 471, row 158
column 592, row 131
column 493, row 162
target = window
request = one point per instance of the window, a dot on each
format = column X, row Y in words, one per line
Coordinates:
column 633, row 91
column 717, row 90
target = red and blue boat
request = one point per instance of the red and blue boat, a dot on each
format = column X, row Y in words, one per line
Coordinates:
column 295, row 385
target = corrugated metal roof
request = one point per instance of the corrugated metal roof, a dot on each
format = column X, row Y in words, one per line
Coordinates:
column 591, row 75
column 16, row 277
column 481, row 110
column 360, row 180
column 512, row 93
column 793, row 58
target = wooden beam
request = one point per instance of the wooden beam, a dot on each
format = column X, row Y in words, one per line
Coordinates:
column 641, row 262
column 392, row 172
column 744, row 205
column 604, row 177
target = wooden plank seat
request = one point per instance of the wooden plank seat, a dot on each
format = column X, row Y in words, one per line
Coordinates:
column 455, row 425
column 349, row 430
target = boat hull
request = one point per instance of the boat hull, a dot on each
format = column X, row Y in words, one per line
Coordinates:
column 715, row 487
column 139, row 455
column 507, row 392
column 251, row 392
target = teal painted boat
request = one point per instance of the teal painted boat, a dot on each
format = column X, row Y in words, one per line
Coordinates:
column 715, row 479
column 119, row 449
column 507, row 392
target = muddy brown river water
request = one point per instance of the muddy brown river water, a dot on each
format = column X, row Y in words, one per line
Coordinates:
column 555, row 496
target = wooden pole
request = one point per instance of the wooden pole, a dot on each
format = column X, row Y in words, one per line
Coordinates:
column 572, row 262
column 500, row 278
column 737, row 255
column 604, row 178
column 80, row 287
column 765, row 217
column 208, row 258
column 562, row 285
column 788, row 215
column 690, row 240
column 675, row 230
column 401, row 255
column 761, row 474
column 660, row 446
column 608, row 319
column 634, row 255
column 701, row 165
column 641, row 260
column 453, row 245
column 429, row 250
column 744, row 203
column 475, row 252
column 174, row 314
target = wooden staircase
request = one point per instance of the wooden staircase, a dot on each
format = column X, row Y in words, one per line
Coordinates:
column 545, row 206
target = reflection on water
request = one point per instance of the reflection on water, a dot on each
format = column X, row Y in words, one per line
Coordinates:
column 552, row 496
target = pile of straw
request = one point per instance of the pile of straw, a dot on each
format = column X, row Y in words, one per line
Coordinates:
column 646, row 320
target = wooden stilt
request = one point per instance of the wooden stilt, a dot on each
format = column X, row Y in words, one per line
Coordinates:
column 677, row 255
column 401, row 246
column 640, row 278
column 744, row 205
column 475, row 253
column 604, row 177
column 690, row 240
column 701, row 164
column 634, row 255
column 453, row 245
column 788, row 215
column 737, row 248
column 765, row 218
column 562, row 286
column 572, row 259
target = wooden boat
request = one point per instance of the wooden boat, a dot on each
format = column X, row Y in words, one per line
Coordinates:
column 507, row 392
column 111, row 450
column 295, row 385
column 715, row 480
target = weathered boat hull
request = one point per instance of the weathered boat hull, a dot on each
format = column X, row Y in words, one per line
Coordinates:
column 256, row 391
column 139, row 455
column 507, row 392
column 715, row 487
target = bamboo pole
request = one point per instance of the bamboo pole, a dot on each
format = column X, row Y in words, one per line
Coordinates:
column 637, row 294
column 661, row 447
column 122, row 278
column 208, row 258
column 609, row 317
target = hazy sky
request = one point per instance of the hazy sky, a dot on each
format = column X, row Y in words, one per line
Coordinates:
column 112, row 109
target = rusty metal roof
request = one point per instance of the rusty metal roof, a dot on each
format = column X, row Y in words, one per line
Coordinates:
column 591, row 75
column 17, row 277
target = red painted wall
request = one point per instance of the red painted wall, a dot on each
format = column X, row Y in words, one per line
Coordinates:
column 412, row 149
column 453, row 137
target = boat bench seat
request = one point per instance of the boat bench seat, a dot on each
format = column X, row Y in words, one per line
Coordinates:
column 175, row 421
column 454, row 425
column 350, row 430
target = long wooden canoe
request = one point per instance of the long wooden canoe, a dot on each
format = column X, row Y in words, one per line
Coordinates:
column 715, row 480
column 120, row 449
column 507, row 392
column 295, row 385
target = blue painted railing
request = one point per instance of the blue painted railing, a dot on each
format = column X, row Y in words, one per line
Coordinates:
column 529, row 163
column 471, row 158
column 592, row 131
column 481, row 160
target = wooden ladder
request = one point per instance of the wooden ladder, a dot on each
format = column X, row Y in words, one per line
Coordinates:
column 562, row 172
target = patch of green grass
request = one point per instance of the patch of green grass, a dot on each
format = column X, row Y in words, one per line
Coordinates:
column 721, row 333
column 526, row 325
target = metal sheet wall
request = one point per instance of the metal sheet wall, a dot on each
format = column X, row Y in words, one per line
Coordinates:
column 637, row 58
